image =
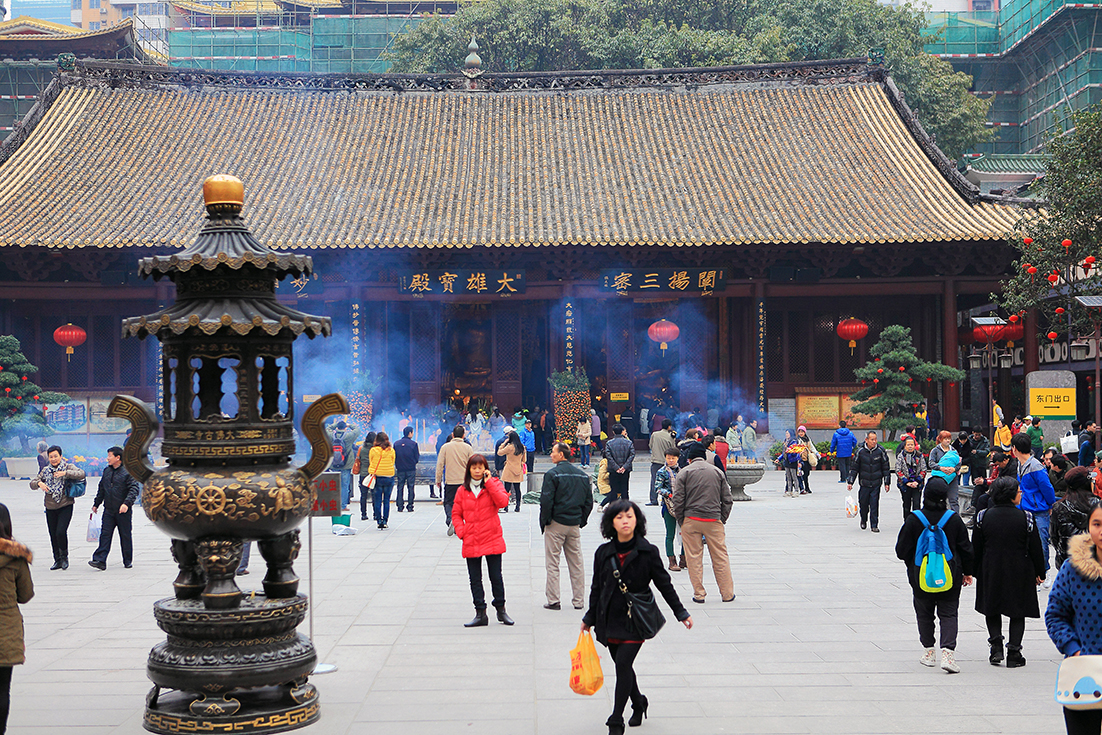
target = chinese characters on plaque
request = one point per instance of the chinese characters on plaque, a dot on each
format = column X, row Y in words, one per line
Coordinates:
column 703, row 281
column 499, row 283
column 568, row 343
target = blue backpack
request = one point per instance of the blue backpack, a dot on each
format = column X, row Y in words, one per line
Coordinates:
column 932, row 555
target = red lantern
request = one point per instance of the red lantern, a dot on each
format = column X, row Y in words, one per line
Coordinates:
column 1052, row 335
column 7, row 390
column 929, row 380
column 880, row 370
column 1059, row 310
column 69, row 336
column 1013, row 332
column 853, row 330
column 663, row 332
column 1089, row 260
column 910, row 380
column 1053, row 277
column 1026, row 266
column 876, row 380
column 901, row 368
column 1031, row 270
column 1013, row 318
column 1028, row 241
column 1066, row 244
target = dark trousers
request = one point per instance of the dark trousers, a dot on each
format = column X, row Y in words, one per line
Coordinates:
column 404, row 479
column 843, row 467
column 497, row 585
column 945, row 605
column 537, row 433
column 111, row 521
column 869, row 499
column 449, row 501
column 805, row 473
column 57, row 521
column 5, row 695
column 653, row 479
column 619, row 484
column 1078, row 722
column 912, row 499
column 995, row 631
column 623, row 655
column 530, row 459
column 513, row 490
column 381, row 498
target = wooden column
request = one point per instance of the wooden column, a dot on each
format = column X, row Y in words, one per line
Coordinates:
column 424, row 355
column 950, row 410
column 694, row 350
column 506, row 358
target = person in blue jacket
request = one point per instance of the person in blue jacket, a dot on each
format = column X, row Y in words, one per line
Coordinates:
column 528, row 439
column 1038, row 497
column 843, row 443
column 1086, row 445
column 1072, row 617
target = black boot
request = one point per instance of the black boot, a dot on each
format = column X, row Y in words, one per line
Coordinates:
column 480, row 619
column 64, row 562
column 57, row 565
column 503, row 617
column 996, row 657
column 638, row 711
column 1014, row 658
column 615, row 725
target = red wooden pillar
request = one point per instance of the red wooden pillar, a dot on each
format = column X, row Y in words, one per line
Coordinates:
column 950, row 411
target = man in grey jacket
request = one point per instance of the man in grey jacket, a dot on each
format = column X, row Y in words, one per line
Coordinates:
column 701, row 504
column 660, row 443
column 566, row 501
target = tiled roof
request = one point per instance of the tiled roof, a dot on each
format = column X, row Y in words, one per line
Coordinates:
column 1010, row 163
column 27, row 24
column 236, row 8
column 775, row 154
column 18, row 40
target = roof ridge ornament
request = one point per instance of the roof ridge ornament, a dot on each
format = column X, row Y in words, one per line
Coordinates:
column 875, row 57
column 472, row 65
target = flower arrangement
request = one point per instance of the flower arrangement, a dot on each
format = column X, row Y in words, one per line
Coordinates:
column 572, row 402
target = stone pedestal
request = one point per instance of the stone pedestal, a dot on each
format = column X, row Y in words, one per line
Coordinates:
column 741, row 474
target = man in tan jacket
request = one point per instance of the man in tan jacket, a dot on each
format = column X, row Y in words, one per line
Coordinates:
column 451, row 466
column 701, row 504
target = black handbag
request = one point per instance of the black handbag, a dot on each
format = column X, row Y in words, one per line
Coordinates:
column 644, row 617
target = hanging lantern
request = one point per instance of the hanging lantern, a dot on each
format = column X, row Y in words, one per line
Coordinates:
column 902, row 369
column 1013, row 318
column 70, row 336
column 876, row 380
column 1053, row 277
column 1059, row 310
column 1066, row 244
column 1028, row 241
column 1013, row 332
column 663, row 332
column 880, row 370
column 853, row 330
column 1052, row 335
column 1089, row 260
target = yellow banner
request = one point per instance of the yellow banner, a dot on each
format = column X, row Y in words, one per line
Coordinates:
column 619, row 397
column 1052, row 403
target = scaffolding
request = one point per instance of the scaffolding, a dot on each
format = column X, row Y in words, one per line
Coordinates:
column 962, row 34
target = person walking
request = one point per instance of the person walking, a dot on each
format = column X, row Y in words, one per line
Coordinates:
column 750, row 441
column 791, row 457
column 1036, row 437
column 1071, row 616
column 945, row 461
column 946, row 604
column 1086, row 445
column 16, row 588
column 1069, row 515
column 842, row 445
column 117, row 493
column 584, row 435
column 1003, row 436
column 721, row 448
column 381, row 464
column 808, row 454
column 528, row 439
column 496, row 425
column 1038, row 495
column 343, row 438
column 910, row 471
column 475, row 520
column 451, row 468
column 626, row 563
column 620, row 452
column 43, row 455
column 870, row 469
column 701, row 504
column 595, row 429
column 406, row 456
column 664, row 490
column 1009, row 566
column 660, row 444
column 514, row 454
column 53, row 480
column 980, row 452
column 566, row 500
column 538, row 424
column 499, row 459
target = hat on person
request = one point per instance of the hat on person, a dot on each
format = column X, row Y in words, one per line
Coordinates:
column 696, row 451
column 936, row 490
column 508, row 428
column 1028, row 418
column 800, row 428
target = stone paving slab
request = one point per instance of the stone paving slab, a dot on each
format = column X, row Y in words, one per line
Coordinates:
column 821, row 638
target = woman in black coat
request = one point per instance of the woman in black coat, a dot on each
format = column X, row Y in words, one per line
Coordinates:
column 1009, row 566
column 1069, row 515
column 935, row 504
column 639, row 563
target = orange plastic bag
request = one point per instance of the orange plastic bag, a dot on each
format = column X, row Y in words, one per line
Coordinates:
column 585, row 667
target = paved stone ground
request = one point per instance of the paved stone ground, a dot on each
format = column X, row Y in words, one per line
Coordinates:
column 821, row 639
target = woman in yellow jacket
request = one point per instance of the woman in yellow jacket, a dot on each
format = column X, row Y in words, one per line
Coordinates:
column 1002, row 436
column 380, row 463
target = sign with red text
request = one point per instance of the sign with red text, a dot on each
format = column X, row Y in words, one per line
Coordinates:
column 327, row 500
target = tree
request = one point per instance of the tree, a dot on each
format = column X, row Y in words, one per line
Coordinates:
column 889, row 376
column 21, row 414
column 1072, row 189
column 560, row 35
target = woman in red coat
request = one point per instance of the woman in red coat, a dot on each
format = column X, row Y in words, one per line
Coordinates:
column 475, row 520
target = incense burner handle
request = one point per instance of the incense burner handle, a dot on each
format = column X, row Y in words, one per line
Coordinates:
column 328, row 405
column 145, row 425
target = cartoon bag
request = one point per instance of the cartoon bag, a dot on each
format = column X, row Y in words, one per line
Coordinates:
column 1079, row 682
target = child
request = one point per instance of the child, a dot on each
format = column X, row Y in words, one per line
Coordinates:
column 663, row 486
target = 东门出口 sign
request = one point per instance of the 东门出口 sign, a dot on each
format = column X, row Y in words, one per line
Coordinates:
column 1052, row 403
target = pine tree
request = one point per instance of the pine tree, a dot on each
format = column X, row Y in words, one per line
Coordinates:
column 21, row 400
column 889, row 377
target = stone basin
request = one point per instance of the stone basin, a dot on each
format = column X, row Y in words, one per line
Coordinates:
column 741, row 474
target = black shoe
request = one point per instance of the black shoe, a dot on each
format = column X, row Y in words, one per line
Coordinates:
column 99, row 565
column 638, row 712
column 409, row 509
column 615, row 725
column 480, row 619
column 996, row 656
column 64, row 563
column 503, row 617
column 652, row 503
column 517, row 509
column 127, row 566
column 875, row 529
column 363, row 517
column 552, row 606
column 399, row 509
column 57, row 565
column 1014, row 658
column 864, row 525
